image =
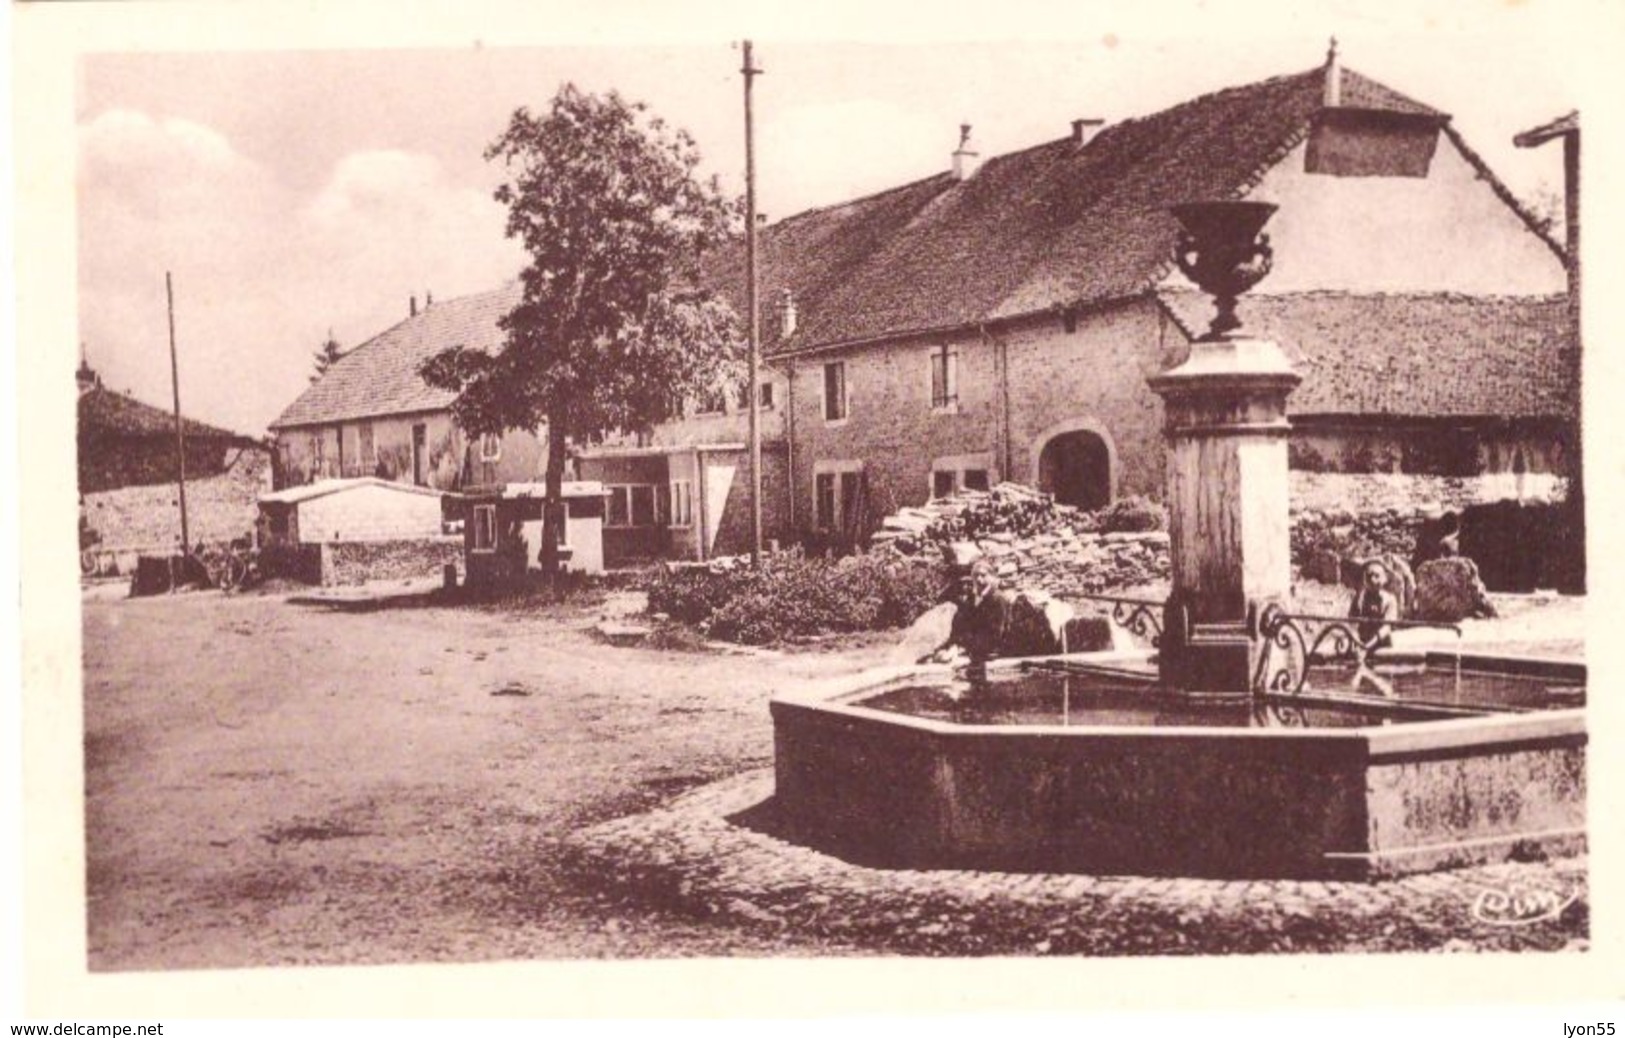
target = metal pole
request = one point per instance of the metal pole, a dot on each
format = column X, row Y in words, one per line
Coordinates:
column 180, row 433
column 750, row 71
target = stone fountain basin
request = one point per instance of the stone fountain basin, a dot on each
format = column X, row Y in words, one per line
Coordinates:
column 894, row 790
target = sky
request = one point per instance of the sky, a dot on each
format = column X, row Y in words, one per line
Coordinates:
column 296, row 192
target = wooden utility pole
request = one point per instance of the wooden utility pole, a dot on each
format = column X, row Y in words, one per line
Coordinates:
column 750, row 72
column 180, row 432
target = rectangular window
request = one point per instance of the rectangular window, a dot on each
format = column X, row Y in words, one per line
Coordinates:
column 485, row 527
column 766, row 396
column 643, row 505
column 825, row 492
column 620, row 507
column 712, row 401
column 942, row 483
column 835, row 391
column 490, row 446
column 368, row 454
column 636, row 504
column 682, row 503
column 975, row 479
column 944, row 379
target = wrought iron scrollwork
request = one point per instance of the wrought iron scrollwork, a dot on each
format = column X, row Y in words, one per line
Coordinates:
column 1293, row 642
column 1142, row 616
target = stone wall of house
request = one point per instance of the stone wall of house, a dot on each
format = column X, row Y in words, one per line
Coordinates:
column 1017, row 387
column 450, row 461
column 731, row 521
column 1093, row 379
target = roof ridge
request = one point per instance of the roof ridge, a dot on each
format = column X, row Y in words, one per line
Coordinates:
column 1052, row 141
column 165, row 415
column 345, row 362
column 870, row 197
column 1349, row 293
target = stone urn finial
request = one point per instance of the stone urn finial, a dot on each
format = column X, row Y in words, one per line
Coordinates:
column 1221, row 249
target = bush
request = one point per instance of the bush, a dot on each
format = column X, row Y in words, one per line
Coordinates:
column 1133, row 515
column 793, row 596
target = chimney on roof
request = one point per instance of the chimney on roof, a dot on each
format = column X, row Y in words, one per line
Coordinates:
column 413, row 305
column 86, row 376
column 1333, row 85
column 787, row 314
column 1084, row 130
column 965, row 157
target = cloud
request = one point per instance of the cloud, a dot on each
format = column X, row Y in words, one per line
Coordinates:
column 261, row 271
column 373, row 184
column 399, row 225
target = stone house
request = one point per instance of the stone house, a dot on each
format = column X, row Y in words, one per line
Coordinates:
column 683, row 490
column 997, row 321
column 123, row 442
column 678, row 492
column 372, row 415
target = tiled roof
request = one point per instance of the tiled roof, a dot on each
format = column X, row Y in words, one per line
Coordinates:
column 1056, row 225
column 380, row 376
column 1436, row 354
column 103, row 412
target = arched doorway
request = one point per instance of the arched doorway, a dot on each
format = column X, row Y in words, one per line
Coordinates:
column 1076, row 467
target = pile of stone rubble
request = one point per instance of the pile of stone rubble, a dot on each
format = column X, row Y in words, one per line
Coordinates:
column 1038, row 545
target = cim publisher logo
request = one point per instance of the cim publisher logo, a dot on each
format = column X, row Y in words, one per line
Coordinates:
column 1521, row 903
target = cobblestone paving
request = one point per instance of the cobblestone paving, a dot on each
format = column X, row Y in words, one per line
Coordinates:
column 689, row 856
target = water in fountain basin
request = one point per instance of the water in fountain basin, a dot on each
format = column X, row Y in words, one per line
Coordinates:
column 1334, row 697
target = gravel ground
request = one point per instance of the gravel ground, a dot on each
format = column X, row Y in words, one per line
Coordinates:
column 272, row 784
column 275, row 784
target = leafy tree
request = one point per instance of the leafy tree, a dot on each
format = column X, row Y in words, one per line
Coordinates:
column 326, row 356
column 610, row 333
column 1546, row 206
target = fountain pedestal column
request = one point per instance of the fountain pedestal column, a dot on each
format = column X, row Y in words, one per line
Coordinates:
column 1229, row 537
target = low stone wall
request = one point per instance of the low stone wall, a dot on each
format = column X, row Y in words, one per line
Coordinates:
column 356, row 562
column 1364, row 493
column 1338, row 520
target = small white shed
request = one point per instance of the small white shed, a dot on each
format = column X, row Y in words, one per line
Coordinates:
column 365, row 509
